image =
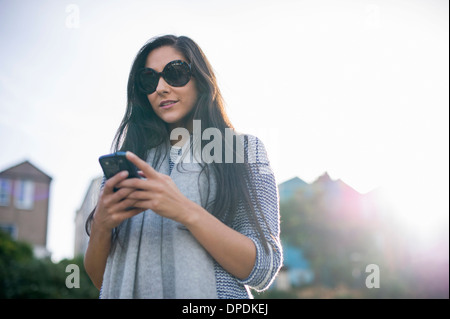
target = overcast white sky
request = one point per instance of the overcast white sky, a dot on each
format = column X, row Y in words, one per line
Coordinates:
column 355, row 88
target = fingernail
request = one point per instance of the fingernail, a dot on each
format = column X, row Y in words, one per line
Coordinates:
column 124, row 173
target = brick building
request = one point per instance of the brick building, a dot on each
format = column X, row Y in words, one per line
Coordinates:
column 24, row 205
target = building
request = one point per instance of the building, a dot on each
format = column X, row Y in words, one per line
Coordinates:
column 296, row 270
column 24, row 205
column 88, row 204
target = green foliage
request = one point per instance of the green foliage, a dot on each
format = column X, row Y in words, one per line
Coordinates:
column 24, row 276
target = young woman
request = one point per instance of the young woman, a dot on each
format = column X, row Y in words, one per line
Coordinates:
column 193, row 226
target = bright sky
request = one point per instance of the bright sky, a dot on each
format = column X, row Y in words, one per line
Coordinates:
column 359, row 89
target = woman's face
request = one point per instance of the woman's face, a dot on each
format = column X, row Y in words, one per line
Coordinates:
column 171, row 104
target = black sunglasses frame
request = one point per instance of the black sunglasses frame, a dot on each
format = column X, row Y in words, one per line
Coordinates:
column 147, row 89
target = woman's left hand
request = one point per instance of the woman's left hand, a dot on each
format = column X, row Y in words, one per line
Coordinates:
column 157, row 191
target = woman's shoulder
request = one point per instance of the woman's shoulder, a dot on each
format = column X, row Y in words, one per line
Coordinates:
column 248, row 139
column 254, row 147
column 255, row 153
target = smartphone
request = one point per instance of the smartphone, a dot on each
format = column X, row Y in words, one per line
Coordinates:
column 115, row 163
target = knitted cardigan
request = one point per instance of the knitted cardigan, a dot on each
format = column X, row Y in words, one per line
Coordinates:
column 226, row 286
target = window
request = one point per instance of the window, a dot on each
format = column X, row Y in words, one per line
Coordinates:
column 5, row 191
column 9, row 229
column 24, row 194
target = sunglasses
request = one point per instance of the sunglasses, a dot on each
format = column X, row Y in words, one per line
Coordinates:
column 176, row 73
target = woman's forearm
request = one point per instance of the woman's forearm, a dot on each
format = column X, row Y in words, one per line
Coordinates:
column 97, row 254
column 234, row 251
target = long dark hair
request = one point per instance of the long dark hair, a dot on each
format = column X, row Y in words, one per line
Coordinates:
column 141, row 130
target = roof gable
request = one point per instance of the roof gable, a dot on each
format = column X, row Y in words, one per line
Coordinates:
column 26, row 170
column 288, row 188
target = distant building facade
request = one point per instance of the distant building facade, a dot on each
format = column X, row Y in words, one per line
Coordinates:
column 288, row 188
column 88, row 204
column 24, row 205
column 296, row 270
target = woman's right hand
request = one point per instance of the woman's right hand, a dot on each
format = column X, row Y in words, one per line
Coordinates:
column 112, row 207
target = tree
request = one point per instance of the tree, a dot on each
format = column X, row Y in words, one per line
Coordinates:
column 24, row 276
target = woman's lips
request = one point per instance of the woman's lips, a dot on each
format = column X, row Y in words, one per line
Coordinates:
column 167, row 104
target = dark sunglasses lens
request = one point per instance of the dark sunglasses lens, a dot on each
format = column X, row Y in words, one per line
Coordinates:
column 177, row 73
column 148, row 80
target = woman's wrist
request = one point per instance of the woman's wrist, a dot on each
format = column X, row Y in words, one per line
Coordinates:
column 98, row 229
column 191, row 213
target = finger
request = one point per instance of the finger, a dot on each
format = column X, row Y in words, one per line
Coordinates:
column 133, row 212
column 143, row 204
column 146, row 169
column 125, row 214
column 113, row 181
column 125, row 205
column 139, row 195
column 122, row 193
column 112, row 199
column 135, row 183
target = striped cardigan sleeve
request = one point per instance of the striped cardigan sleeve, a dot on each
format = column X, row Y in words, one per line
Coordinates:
column 268, row 259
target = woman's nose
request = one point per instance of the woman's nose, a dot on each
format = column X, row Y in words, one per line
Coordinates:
column 162, row 87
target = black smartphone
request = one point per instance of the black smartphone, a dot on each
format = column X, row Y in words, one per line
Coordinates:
column 115, row 163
